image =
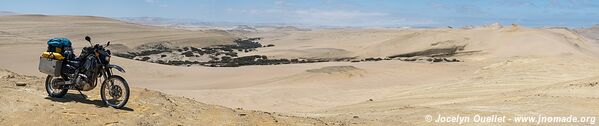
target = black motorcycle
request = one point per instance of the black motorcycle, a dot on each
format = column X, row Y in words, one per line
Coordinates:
column 83, row 73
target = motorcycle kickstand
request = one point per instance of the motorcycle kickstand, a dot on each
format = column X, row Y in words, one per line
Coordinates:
column 84, row 96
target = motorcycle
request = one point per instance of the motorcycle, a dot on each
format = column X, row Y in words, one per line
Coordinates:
column 83, row 73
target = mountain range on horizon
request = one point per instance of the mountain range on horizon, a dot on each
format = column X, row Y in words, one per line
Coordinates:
column 196, row 23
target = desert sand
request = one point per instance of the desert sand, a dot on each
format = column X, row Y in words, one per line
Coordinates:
column 29, row 105
column 507, row 70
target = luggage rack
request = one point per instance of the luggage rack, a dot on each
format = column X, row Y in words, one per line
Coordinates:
column 50, row 66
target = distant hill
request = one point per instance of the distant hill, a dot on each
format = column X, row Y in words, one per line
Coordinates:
column 194, row 23
column 591, row 33
column 7, row 13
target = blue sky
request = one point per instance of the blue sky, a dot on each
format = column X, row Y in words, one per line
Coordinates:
column 434, row 13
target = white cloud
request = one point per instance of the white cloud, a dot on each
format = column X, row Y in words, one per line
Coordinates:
column 339, row 17
column 151, row 1
column 157, row 3
column 336, row 14
column 280, row 2
column 254, row 11
column 328, row 17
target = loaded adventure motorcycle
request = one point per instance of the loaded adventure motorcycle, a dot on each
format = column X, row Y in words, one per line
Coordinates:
column 69, row 72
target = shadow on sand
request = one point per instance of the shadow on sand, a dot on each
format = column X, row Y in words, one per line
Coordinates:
column 70, row 97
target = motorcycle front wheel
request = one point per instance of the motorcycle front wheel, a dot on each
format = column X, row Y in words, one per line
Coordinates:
column 115, row 91
column 53, row 87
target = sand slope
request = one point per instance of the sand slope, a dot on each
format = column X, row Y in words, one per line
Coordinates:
column 29, row 29
column 30, row 105
column 591, row 33
column 483, row 42
column 24, row 36
column 510, row 70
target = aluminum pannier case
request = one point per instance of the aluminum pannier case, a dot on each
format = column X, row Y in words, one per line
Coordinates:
column 50, row 66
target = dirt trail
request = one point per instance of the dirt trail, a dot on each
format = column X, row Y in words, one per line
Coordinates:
column 30, row 105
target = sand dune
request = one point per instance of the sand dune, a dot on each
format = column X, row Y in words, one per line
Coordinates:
column 509, row 70
column 591, row 33
column 30, row 105
column 489, row 42
column 33, row 30
column 41, row 27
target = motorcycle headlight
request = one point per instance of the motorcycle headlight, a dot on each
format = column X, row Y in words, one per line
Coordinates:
column 107, row 58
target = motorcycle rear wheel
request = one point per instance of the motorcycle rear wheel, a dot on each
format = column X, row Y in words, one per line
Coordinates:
column 53, row 89
column 113, row 89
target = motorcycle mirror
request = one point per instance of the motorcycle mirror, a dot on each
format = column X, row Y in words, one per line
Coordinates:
column 88, row 39
column 107, row 44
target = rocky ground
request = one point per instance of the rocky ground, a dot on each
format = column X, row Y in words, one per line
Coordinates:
column 25, row 102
